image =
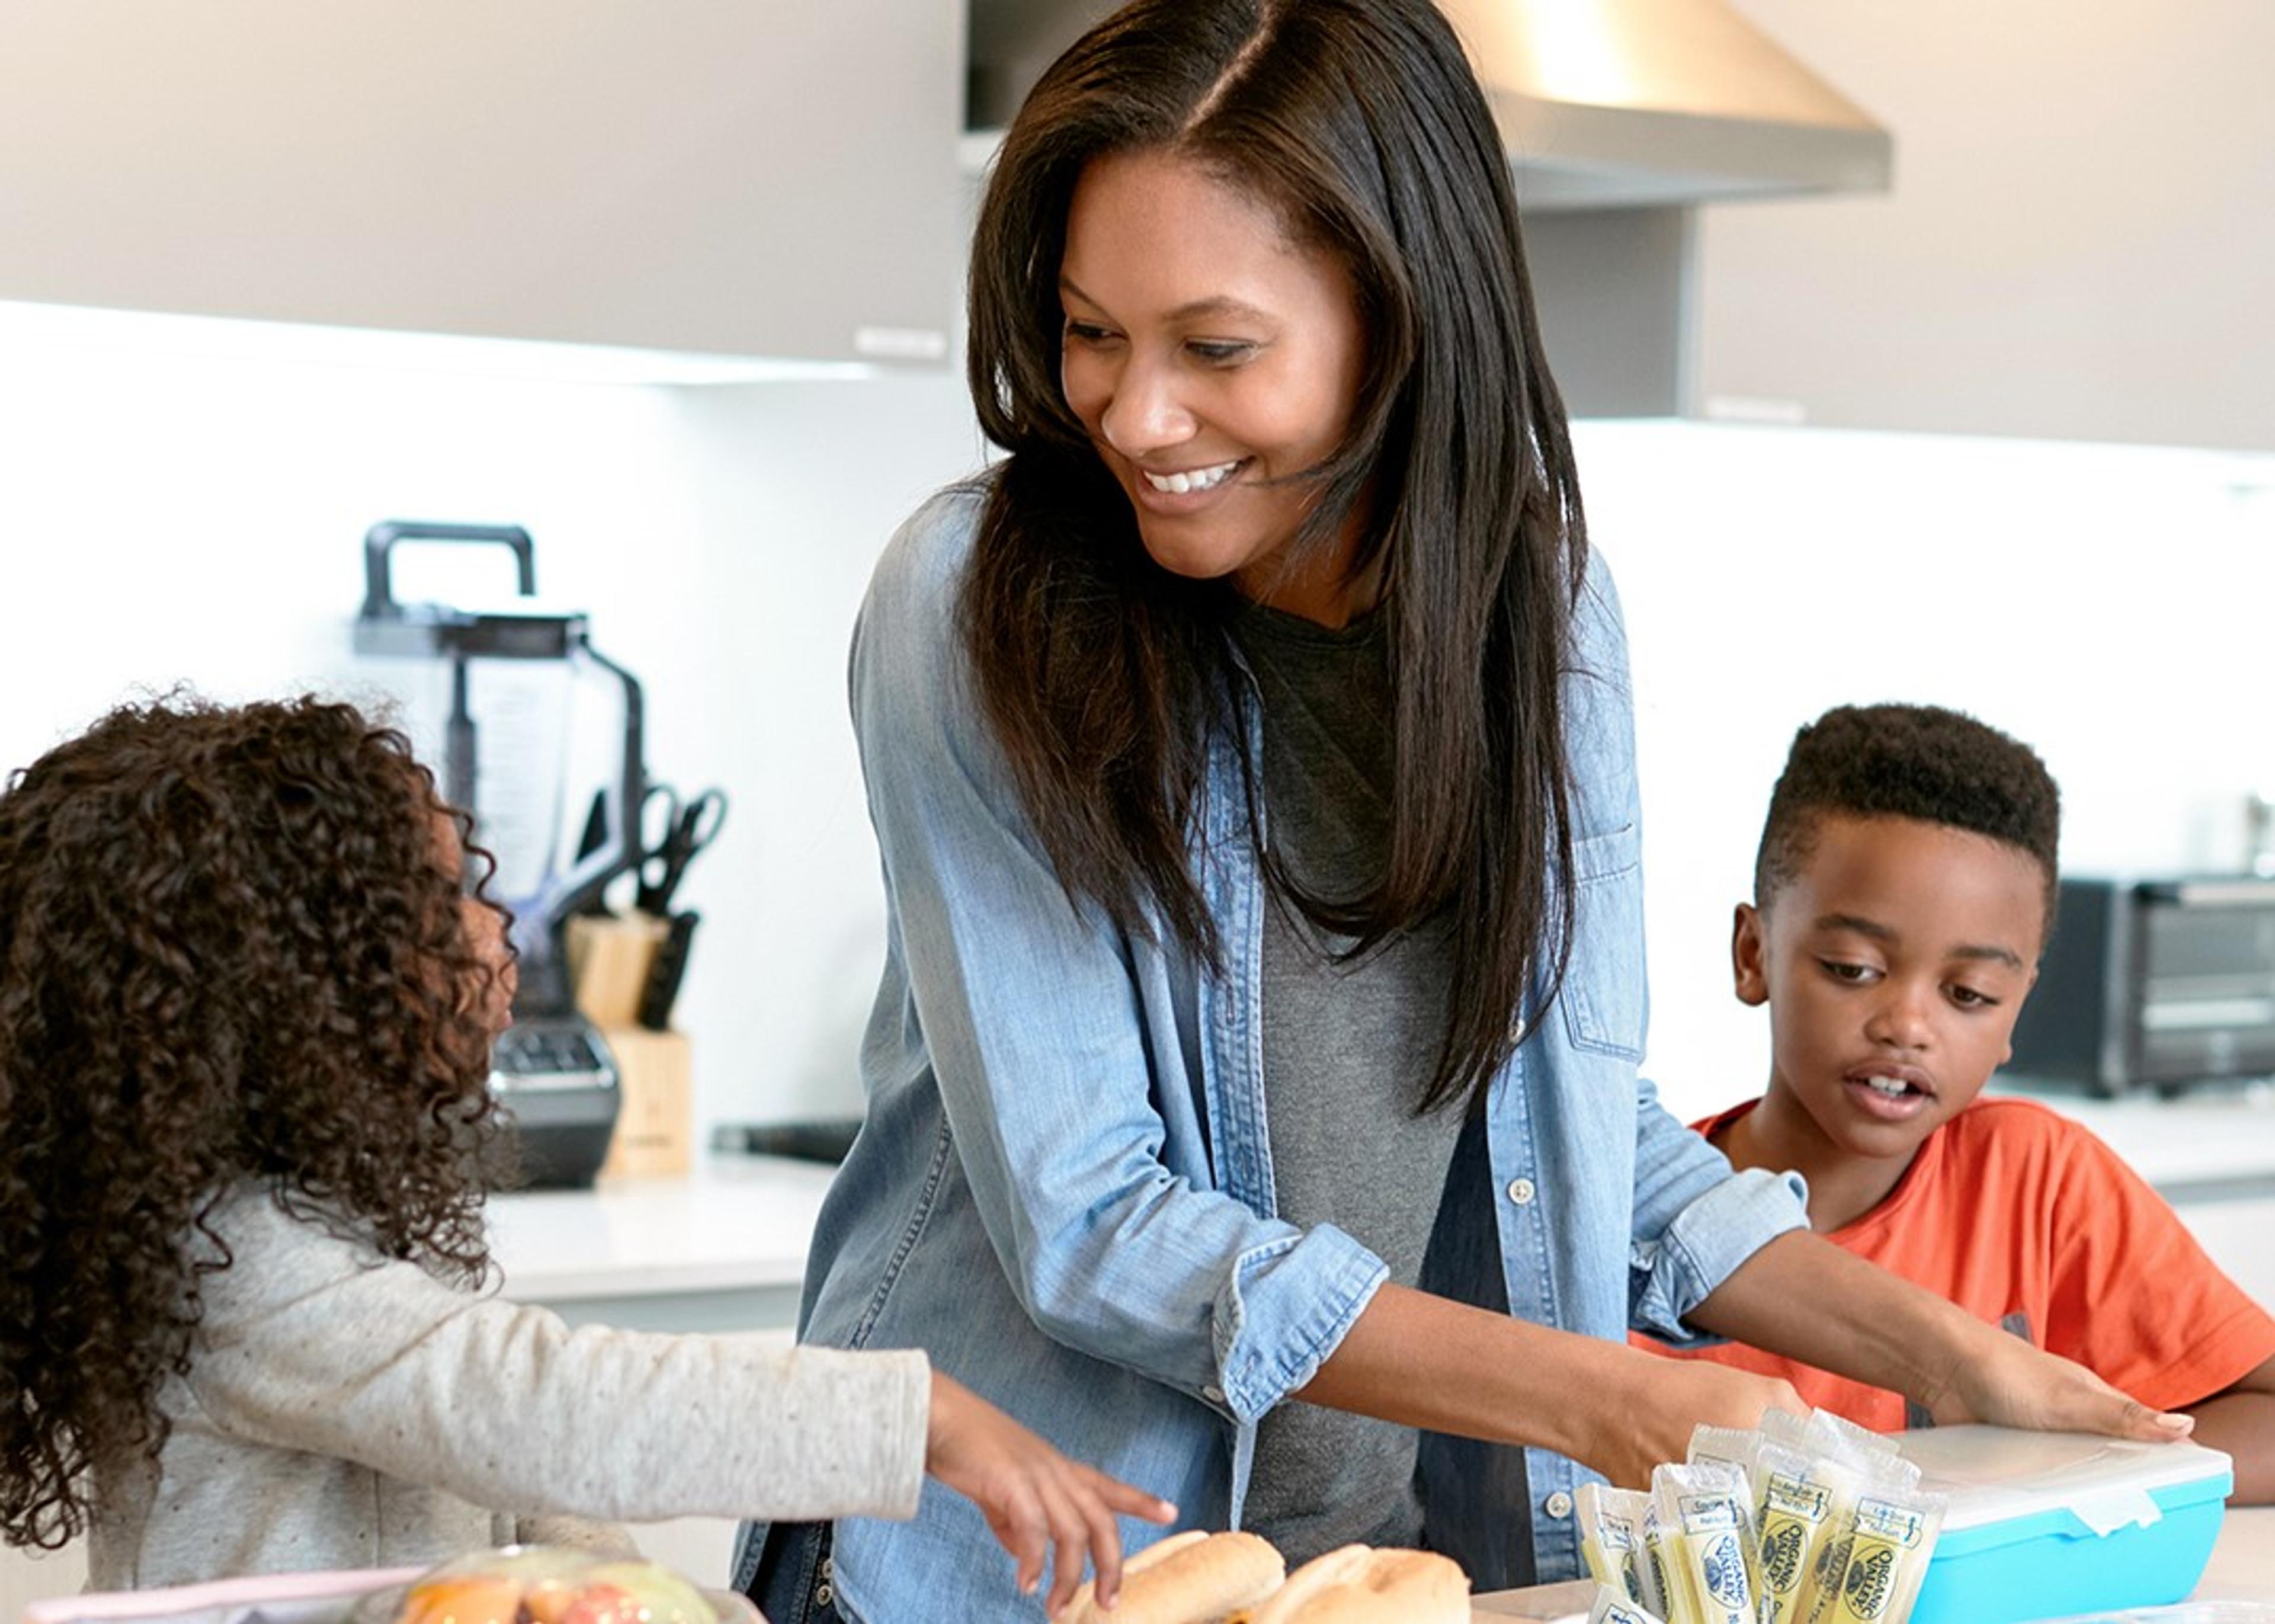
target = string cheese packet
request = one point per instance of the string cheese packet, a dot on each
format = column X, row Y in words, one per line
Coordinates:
column 1706, row 1516
column 1882, row 1477
column 1611, row 1537
column 1654, row 1574
column 1894, row 1540
column 1610, row 1608
column 1724, row 1445
column 1801, row 1501
column 1822, row 1432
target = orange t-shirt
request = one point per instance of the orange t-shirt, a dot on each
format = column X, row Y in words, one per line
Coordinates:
column 2024, row 1219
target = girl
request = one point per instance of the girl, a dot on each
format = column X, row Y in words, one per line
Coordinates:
column 1252, row 1093
column 246, row 1001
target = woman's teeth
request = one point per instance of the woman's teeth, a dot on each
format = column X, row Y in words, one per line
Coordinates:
column 1893, row 1087
column 1194, row 479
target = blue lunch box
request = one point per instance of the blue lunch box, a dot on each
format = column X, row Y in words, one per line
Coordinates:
column 2042, row 1525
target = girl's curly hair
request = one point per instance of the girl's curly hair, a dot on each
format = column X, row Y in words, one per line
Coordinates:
column 231, row 948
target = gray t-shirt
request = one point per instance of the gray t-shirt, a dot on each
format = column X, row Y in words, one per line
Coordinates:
column 1349, row 1045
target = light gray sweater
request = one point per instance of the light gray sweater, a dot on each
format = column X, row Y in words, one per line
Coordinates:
column 346, row 1410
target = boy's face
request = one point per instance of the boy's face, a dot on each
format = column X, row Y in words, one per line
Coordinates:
column 1895, row 962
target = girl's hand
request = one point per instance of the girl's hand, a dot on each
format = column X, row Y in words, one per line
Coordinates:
column 1645, row 1414
column 1032, row 1496
column 2000, row 1377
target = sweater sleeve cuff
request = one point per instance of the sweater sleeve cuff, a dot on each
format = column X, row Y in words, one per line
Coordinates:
column 904, row 1407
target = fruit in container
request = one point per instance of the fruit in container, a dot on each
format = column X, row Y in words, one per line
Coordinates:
column 537, row 1585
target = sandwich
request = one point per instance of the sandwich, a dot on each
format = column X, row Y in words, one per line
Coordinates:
column 1189, row 1578
column 1359, row 1585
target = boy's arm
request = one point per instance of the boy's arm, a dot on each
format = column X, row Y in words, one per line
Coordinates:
column 1803, row 1297
column 2241, row 1420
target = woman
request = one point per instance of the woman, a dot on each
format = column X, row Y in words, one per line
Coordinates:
column 1252, row 1104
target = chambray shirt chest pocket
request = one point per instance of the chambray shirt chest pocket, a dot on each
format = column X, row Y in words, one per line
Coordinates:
column 1603, row 997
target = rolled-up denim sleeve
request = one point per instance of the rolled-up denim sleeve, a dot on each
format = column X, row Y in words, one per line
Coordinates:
column 1034, row 1025
column 1286, row 1306
column 1695, row 1220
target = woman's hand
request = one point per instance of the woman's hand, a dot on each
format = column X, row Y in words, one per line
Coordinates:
column 1645, row 1414
column 1036, row 1501
column 2000, row 1377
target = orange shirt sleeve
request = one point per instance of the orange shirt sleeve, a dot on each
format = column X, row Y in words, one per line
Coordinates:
column 2133, row 1296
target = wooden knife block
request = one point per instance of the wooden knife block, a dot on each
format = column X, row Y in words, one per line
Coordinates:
column 608, row 960
column 655, row 1119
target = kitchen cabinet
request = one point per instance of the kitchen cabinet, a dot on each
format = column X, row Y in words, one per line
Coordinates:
column 2080, row 243
column 748, row 178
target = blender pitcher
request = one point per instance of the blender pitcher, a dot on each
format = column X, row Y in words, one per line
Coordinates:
column 551, row 1071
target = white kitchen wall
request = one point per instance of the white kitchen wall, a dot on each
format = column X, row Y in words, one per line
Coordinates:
column 2107, row 605
column 168, row 516
column 181, row 516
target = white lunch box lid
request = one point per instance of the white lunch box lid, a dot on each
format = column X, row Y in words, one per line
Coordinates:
column 2000, row 1474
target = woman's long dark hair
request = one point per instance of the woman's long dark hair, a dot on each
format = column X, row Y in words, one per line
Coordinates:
column 230, row 950
column 1361, row 123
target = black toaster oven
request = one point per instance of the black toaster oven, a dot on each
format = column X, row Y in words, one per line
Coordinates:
column 2156, row 982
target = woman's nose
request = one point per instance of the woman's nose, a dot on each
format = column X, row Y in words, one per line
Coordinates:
column 1144, row 414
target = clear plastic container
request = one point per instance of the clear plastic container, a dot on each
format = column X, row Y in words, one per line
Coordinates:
column 368, row 1595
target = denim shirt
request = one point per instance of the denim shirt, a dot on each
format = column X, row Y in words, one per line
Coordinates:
column 1063, row 1190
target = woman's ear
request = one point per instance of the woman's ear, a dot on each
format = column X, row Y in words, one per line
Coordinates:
column 1746, row 957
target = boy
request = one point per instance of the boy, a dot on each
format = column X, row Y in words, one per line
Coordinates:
column 1903, row 892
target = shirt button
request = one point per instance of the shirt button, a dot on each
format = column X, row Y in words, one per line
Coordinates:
column 1559, row 1505
column 1521, row 1192
column 1516, row 1029
column 823, row 1595
column 1213, row 1395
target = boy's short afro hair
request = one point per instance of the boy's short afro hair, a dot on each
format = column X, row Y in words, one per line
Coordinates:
column 1917, row 762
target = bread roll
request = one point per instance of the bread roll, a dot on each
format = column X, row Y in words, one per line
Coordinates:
column 1360, row 1585
column 1189, row 1578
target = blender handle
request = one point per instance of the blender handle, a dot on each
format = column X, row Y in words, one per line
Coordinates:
column 378, row 541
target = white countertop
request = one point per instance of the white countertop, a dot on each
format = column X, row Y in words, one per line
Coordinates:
column 2206, row 1137
column 738, row 1222
column 2243, row 1563
column 735, row 1223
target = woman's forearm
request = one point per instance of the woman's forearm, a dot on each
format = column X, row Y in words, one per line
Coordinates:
column 1804, row 1297
column 1423, row 1361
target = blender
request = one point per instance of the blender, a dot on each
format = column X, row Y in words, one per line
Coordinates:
column 552, row 1072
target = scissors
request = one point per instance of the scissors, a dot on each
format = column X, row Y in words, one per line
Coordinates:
column 687, row 829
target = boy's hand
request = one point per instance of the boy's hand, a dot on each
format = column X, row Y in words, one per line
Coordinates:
column 1032, row 1496
column 2004, row 1379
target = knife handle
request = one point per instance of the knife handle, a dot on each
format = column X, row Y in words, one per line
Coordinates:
column 664, row 972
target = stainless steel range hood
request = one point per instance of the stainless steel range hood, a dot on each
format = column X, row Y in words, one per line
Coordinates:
column 1625, row 103
column 1601, row 103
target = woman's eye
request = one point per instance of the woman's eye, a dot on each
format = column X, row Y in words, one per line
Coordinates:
column 1087, row 332
column 1220, row 352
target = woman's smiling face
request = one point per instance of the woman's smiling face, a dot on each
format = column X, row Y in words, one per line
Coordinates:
column 1214, row 360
